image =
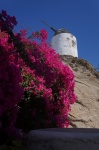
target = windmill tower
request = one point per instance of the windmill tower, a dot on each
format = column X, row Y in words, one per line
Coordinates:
column 64, row 42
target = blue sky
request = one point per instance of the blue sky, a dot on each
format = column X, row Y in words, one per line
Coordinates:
column 80, row 17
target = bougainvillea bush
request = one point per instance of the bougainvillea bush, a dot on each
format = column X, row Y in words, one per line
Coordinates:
column 48, row 84
column 10, row 90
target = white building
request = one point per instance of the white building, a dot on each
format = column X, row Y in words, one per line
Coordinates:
column 64, row 43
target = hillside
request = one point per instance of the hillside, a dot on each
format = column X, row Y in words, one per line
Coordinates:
column 85, row 112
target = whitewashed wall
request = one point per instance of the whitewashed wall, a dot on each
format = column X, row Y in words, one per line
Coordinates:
column 65, row 44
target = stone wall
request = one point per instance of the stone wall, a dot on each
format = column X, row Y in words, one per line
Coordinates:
column 63, row 139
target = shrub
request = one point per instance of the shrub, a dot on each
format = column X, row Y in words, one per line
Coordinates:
column 48, row 86
column 10, row 90
column 48, row 83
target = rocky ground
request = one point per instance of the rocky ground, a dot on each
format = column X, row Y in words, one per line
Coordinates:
column 85, row 112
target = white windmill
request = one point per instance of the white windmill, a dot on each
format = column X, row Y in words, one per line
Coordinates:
column 64, row 42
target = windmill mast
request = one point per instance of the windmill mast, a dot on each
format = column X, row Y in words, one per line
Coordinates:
column 49, row 26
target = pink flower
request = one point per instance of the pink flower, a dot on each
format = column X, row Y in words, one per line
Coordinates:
column 43, row 35
column 23, row 32
column 40, row 87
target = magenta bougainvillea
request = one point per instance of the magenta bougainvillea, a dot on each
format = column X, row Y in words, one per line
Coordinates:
column 48, row 84
column 10, row 90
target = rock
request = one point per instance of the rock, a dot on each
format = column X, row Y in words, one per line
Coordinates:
column 85, row 112
column 63, row 139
